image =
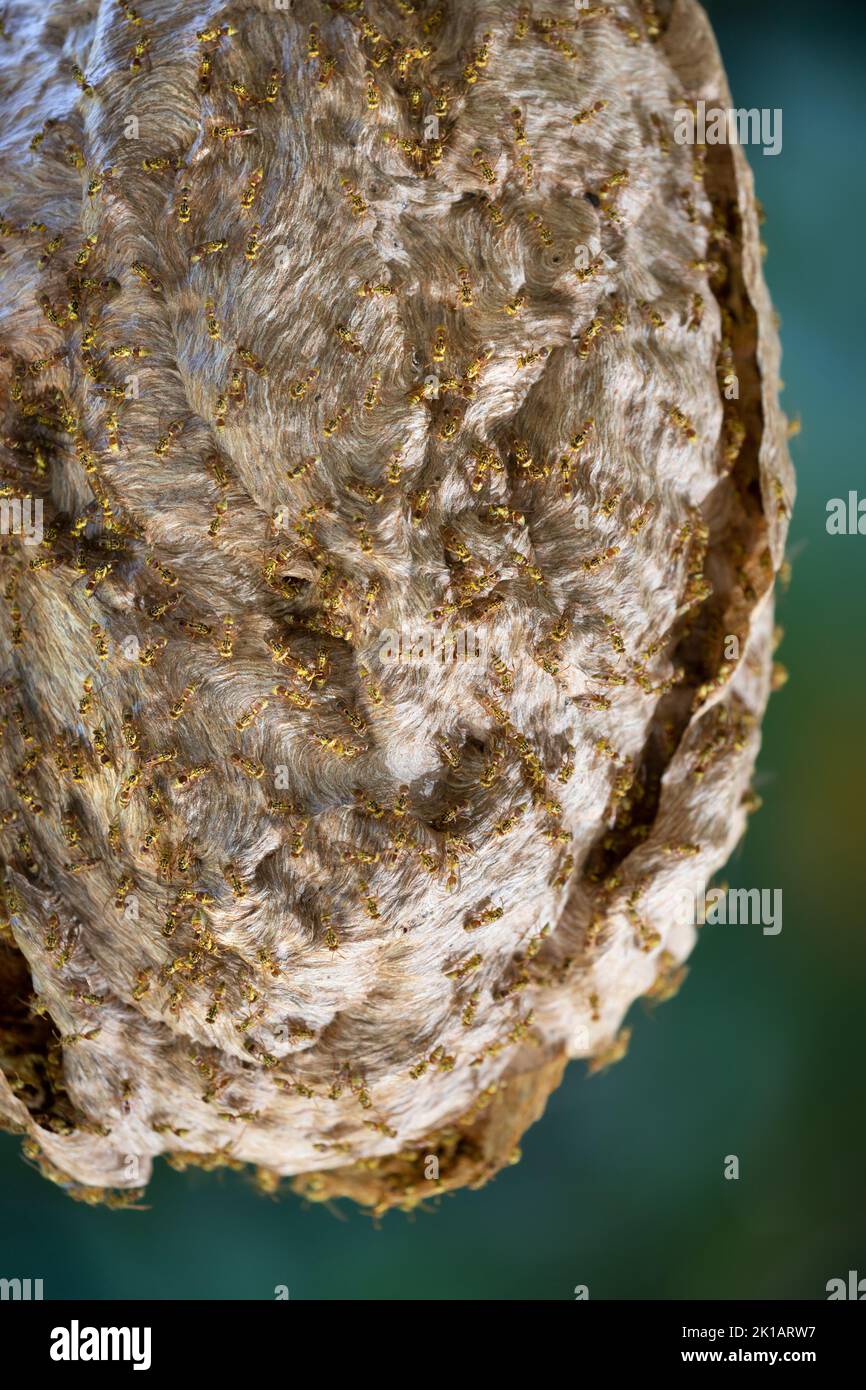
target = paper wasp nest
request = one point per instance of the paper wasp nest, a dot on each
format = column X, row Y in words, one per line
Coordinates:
column 398, row 400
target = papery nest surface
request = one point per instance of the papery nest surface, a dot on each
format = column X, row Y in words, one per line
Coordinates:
column 399, row 402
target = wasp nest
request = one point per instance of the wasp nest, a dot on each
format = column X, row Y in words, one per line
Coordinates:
column 393, row 403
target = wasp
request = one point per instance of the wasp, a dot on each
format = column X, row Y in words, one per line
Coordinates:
column 300, row 699
column 346, row 336
column 167, row 576
column 678, row 418
column 155, row 611
column 369, row 289
column 124, row 351
column 251, row 250
column 465, row 968
column 180, row 705
column 50, row 312
column 588, row 112
column 250, row 361
column 232, row 132
column 225, row 647
column 84, row 254
column 220, row 510
column 213, row 327
column 137, row 52
column 356, row 202
column 149, row 653
column 185, row 859
column 215, row 33
column 246, row 720
column 82, row 81
column 249, row 194
column 101, row 641
column 96, row 183
column 486, row 170
column 166, row 440
column 207, row 248
column 254, row 770
column 41, row 364
column 40, row 136
column 192, row 774
column 339, row 747
column 613, row 1052
column 146, row 277
column 113, row 431
column 232, row 878
column 237, row 387
column 515, row 306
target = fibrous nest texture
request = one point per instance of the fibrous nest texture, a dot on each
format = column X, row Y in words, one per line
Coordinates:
column 330, row 331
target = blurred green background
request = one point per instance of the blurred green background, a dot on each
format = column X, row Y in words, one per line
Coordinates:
column 621, row 1185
